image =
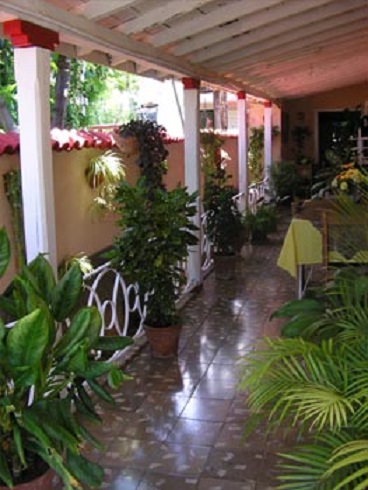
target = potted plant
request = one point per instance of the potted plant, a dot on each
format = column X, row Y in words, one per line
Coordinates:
column 156, row 231
column 258, row 225
column 144, row 141
column 102, row 174
column 224, row 221
column 49, row 377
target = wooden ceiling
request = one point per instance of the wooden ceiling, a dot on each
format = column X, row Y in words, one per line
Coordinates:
column 278, row 49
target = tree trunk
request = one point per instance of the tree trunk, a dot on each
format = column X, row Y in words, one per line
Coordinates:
column 6, row 121
column 61, row 92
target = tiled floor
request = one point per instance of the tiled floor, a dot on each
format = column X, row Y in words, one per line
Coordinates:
column 178, row 424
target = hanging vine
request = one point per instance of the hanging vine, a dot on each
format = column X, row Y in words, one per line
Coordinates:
column 13, row 192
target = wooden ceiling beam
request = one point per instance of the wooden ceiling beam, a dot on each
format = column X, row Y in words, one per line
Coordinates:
column 219, row 16
column 308, row 36
column 98, row 9
column 280, row 24
column 160, row 14
column 114, row 43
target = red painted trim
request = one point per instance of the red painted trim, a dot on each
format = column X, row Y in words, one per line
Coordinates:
column 267, row 103
column 241, row 95
column 24, row 34
column 191, row 83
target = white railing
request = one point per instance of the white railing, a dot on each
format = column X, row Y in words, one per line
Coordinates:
column 206, row 246
column 122, row 308
column 256, row 195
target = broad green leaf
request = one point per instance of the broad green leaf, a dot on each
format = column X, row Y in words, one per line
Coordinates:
column 87, row 436
column 56, row 462
column 19, row 444
column 32, row 425
column 44, row 275
column 95, row 325
column 77, row 363
column 113, row 343
column 27, row 340
column 298, row 306
column 66, row 293
column 116, row 377
column 4, row 251
column 94, row 369
column 76, row 332
column 5, row 471
column 85, row 471
column 101, row 392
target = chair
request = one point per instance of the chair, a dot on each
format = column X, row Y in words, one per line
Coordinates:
column 345, row 237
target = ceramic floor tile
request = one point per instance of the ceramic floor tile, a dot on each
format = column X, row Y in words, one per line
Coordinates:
column 187, row 431
column 178, row 424
column 217, row 389
column 235, row 464
column 206, row 409
column 217, row 484
column 154, row 481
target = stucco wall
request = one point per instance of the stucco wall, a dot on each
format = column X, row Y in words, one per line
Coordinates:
column 303, row 112
column 78, row 229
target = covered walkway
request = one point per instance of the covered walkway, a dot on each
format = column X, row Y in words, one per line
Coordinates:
column 178, row 424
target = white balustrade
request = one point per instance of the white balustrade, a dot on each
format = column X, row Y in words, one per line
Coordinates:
column 122, row 308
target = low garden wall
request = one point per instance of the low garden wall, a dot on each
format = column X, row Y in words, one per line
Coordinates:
column 78, row 229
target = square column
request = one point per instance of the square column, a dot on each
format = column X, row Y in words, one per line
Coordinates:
column 267, row 140
column 242, row 149
column 192, row 170
column 32, row 71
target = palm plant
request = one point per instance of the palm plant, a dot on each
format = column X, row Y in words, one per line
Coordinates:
column 315, row 379
column 321, row 390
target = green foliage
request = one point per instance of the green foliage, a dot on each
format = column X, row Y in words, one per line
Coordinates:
column 8, row 86
column 316, row 381
column 224, row 221
column 299, row 135
column 156, row 229
column 255, row 152
column 13, row 192
column 89, row 90
column 152, row 152
column 259, row 224
column 211, row 144
column 44, row 367
column 103, row 173
column 285, row 181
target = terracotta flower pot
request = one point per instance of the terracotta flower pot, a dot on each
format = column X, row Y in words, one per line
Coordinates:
column 164, row 341
column 43, row 482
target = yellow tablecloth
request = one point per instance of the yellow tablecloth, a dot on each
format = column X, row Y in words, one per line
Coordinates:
column 302, row 245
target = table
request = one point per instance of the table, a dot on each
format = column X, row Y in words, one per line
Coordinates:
column 302, row 246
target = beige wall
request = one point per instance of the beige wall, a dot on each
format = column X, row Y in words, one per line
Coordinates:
column 78, row 229
column 303, row 112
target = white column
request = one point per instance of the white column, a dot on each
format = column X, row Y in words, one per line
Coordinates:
column 267, row 140
column 242, row 149
column 192, row 169
column 32, row 71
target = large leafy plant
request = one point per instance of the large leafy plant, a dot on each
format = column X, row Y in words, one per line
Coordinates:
column 315, row 379
column 152, row 152
column 224, row 221
column 49, row 375
column 152, row 247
